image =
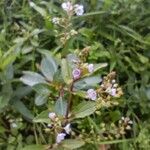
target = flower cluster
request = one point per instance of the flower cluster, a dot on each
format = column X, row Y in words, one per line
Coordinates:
column 110, row 86
column 108, row 90
column 118, row 130
column 81, row 69
column 65, row 22
column 57, row 126
column 126, row 123
column 69, row 7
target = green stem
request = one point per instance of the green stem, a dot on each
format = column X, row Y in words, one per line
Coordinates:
column 35, row 134
column 69, row 106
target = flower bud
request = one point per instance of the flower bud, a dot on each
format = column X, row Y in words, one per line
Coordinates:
column 90, row 68
column 52, row 116
column 76, row 73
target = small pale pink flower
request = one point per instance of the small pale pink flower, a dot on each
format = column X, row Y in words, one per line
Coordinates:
column 79, row 9
column 60, row 137
column 113, row 92
column 67, row 128
column 90, row 68
column 67, row 6
column 76, row 73
column 91, row 93
column 52, row 116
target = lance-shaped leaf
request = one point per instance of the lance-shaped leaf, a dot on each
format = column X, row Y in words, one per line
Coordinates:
column 20, row 106
column 38, row 9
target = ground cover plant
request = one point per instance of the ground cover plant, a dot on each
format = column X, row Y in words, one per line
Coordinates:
column 74, row 74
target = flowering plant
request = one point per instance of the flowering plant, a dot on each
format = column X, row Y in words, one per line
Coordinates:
column 74, row 90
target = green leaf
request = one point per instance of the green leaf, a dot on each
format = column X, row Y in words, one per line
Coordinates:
column 35, row 147
column 87, row 82
column 48, row 67
column 7, row 60
column 42, row 117
column 115, row 115
column 96, row 68
column 2, row 129
column 22, row 91
column 4, row 101
column 99, row 66
column 9, row 56
column 91, row 14
column 84, row 109
column 66, row 71
column 32, row 78
column 88, row 33
column 80, row 93
column 18, row 105
column 41, row 88
column 26, row 49
column 42, row 95
column 132, row 33
column 6, row 95
column 148, row 93
column 143, row 59
column 9, row 72
column 41, row 99
column 73, row 143
column 38, row 9
column 61, row 107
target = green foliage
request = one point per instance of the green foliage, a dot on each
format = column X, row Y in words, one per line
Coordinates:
column 33, row 52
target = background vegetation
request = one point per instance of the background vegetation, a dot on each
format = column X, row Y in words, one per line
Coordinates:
column 118, row 33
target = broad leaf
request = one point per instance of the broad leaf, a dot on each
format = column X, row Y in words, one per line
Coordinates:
column 87, row 82
column 48, row 67
column 61, row 107
column 32, row 78
column 42, row 117
column 41, row 99
column 66, row 71
column 41, row 88
column 84, row 109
